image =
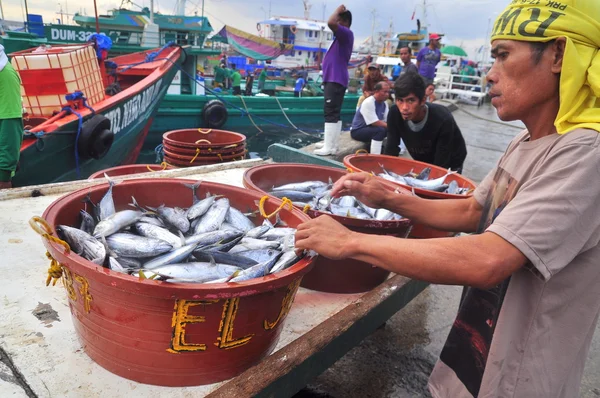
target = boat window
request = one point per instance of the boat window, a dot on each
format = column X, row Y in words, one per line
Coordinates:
column 316, row 35
column 328, row 36
column 300, row 52
column 310, row 33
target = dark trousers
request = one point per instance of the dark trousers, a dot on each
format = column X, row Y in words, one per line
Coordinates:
column 237, row 90
column 296, row 93
column 11, row 138
column 334, row 98
column 368, row 133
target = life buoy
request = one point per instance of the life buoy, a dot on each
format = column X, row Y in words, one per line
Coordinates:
column 258, row 27
column 214, row 114
column 95, row 138
column 293, row 29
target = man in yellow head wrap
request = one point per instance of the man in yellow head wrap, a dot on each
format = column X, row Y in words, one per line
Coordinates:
column 532, row 270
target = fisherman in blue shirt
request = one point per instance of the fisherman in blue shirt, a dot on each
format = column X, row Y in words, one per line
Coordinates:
column 396, row 70
column 300, row 83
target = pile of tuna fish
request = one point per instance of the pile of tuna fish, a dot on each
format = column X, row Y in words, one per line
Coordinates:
column 210, row 242
column 317, row 195
column 421, row 180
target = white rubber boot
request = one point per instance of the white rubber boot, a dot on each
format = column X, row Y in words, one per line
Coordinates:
column 321, row 144
column 338, row 132
column 330, row 135
column 376, row 147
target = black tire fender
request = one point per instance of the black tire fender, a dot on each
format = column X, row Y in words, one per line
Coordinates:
column 95, row 138
column 214, row 114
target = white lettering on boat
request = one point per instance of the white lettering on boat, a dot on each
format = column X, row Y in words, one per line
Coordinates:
column 69, row 35
column 126, row 114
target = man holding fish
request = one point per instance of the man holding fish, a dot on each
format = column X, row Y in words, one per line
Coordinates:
column 531, row 302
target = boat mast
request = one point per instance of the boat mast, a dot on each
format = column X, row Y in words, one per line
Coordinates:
column 1, row 11
column 26, row 17
column 96, row 15
column 180, row 7
column 151, row 11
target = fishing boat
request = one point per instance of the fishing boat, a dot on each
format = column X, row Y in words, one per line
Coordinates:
column 83, row 115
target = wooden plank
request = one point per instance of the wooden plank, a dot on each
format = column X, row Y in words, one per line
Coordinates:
column 288, row 370
column 285, row 154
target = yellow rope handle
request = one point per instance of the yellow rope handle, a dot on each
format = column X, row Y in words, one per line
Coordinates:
column 163, row 166
column 55, row 271
column 207, row 131
column 220, row 157
column 349, row 170
column 230, row 146
column 284, row 202
column 361, row 151
column 306, row 208
column 203, row 140
column 46, row 232
column 195, row 156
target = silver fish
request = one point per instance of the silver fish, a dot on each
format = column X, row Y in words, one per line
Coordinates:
column 286, row 260
column 116, row 222
column 277, row 233
column 259, row 255
column 353, row 212
column 228, row 227
column 174, row 217
column 306, row 186
column 87, row 222
column 256, row 271
column 114, row 265
column 259, row 243
column 424, row 174
column 194, row 187
column 175, row 256
column 384, row 215
column 201, row 207
column 129, row 262
column 238, row 220
column 153, row 220
column 153, row 231
column 432, row 185
column 106, row 206
column 209, row 238
column 196, row 272
column 347, row 201
column 83, row 244
column 452, row 187
column 224, row 258
column 214, row 217
column 128, row 245
column 294, row 196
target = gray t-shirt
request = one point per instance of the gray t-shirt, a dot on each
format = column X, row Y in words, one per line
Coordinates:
column 530, row 335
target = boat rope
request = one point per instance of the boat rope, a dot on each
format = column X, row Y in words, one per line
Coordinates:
column 249, row 115
column 69, row 110
column 288, row 119
column 40, row 226
column 284, row 202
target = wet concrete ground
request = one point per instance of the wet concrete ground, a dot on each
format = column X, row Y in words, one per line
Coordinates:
column 397, row 359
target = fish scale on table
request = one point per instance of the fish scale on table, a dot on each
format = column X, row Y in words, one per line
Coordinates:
column 222, row 244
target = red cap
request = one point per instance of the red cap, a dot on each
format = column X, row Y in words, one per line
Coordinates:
column 434, row 36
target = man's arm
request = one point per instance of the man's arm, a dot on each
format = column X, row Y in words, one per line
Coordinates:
column 333, row 19
column 480, row 261
column 419, row 59
column 393, row 134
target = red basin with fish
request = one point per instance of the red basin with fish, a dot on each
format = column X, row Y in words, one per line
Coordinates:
column 372, row 164
column 129, row 169
column 173, row 334
column 333, row 276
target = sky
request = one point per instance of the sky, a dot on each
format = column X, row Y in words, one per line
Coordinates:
column 464, row 22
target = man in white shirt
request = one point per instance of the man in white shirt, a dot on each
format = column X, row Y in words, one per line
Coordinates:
column 369, row 123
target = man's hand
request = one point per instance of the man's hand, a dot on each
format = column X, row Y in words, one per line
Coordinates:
column 326, row 236
column 365, row 187
column 341, row 8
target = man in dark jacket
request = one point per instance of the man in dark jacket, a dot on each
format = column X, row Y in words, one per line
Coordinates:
column 428, row 130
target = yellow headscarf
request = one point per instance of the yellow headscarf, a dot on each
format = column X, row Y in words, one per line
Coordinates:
column 579, row 22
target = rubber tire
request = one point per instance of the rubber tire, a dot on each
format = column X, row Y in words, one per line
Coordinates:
column 214, row 114
column 96, row 138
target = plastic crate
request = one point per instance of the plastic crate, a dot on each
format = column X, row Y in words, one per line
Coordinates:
column 49, row 73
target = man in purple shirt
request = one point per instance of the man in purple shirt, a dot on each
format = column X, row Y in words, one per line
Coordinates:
column 428, row 58
column 335, row 77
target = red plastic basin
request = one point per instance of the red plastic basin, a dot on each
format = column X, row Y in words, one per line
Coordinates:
column 334, row 276
column 165, row 333
column 372, row 164
column 225, row 150
column 188, row 138
column 129, row 169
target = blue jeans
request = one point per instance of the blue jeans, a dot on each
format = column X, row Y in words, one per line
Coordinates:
column 368, row 133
